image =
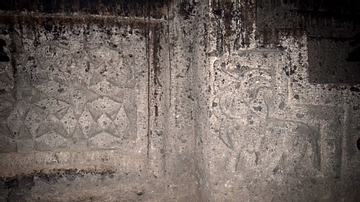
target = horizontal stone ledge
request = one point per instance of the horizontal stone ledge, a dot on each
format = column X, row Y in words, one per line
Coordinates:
column 79, row 19
column 12, row 164
column 53, row 173
column 154, row 8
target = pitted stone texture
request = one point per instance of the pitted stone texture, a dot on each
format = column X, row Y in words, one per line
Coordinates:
column 269, row 134
column 203, row 104
column 77, row 88
column 6, row 77
column 242, row 110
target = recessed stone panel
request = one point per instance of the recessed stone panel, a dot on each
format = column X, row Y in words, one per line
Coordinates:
column 78, row 90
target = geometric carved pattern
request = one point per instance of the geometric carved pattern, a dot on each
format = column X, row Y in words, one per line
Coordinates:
column 76, row 93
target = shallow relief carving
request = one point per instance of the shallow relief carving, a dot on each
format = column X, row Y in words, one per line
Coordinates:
column 76, row 89
column 258, row 142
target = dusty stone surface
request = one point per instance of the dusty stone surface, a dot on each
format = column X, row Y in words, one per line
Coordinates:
column 72, row 93
column 177, row 101
column 77, row 97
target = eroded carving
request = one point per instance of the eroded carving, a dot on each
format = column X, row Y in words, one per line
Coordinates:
column 71, row 93
column 256, row 140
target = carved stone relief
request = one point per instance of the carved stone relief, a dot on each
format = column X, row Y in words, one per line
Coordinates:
column 77, row 90
column 257, row 141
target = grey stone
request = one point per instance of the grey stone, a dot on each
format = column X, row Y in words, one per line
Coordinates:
column 188, row 101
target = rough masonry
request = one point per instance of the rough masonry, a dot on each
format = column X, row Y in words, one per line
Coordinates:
column 248, row 100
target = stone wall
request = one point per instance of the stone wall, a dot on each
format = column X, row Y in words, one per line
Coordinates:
column 177, row 101
column 85, row 106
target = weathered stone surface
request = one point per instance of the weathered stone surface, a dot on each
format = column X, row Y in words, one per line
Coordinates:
column 327, row 59
column 177, row 101
column 81, row 92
